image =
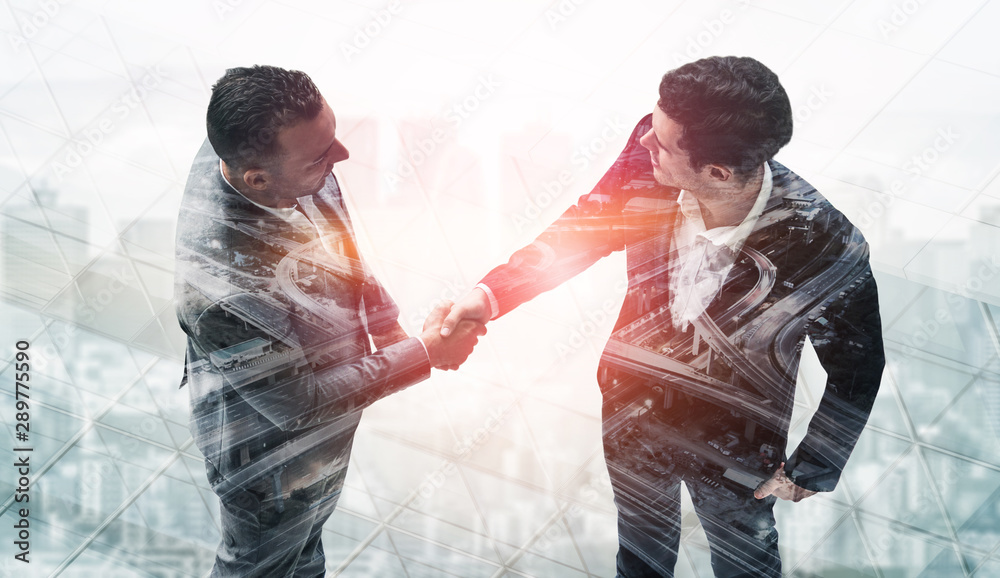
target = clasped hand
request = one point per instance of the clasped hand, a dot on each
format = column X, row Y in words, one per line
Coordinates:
column 449, row 352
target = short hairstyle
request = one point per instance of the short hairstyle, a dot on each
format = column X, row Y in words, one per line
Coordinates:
column 250, row 105
column 733, row 111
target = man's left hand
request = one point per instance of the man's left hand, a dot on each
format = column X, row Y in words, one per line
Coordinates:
column 780, row 486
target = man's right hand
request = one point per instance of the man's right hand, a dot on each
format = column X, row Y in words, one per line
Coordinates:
column 475, row 307
column 448, row 352
column 779, row 485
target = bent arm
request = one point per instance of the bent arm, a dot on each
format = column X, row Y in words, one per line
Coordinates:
column 589, row 230
column 297, row 388
column 852, row 355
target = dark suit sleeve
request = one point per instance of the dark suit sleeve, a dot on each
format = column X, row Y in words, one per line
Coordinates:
column 380, row 309
column 589, row 230
column 852, row 354
column 296, row 387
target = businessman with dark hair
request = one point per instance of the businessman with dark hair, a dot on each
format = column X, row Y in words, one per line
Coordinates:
column 732, row 261
column 281, row 311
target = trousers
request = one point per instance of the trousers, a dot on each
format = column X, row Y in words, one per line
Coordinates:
column 647, row 464
column 269, row 533
column 741, row 533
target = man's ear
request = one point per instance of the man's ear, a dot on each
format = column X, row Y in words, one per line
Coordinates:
column 257, row 179
column 720, row 173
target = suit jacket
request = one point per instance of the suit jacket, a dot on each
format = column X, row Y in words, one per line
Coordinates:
column 802, row 271
column 279, row 363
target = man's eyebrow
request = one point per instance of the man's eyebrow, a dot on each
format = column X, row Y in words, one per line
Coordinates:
column 320, row 157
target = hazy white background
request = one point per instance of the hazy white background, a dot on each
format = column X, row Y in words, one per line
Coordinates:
column 460, row 118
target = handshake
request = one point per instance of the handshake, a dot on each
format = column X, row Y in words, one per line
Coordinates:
column 451, row 331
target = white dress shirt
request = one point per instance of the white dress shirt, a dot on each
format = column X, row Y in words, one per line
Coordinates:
column 703, row 257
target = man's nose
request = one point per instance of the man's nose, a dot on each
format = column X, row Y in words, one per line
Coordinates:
column 338, row 152
column 646, row 140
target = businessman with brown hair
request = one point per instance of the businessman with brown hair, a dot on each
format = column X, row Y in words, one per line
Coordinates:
column 280, row 311
column 732, row 261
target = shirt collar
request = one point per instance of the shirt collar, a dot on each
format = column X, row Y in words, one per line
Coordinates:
column 732, row 236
